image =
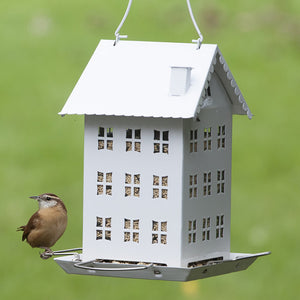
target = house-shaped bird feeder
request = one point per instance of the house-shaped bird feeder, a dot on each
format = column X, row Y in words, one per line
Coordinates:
column 157, row 162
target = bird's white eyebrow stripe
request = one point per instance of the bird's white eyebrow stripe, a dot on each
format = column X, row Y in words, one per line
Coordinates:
column 52, row 197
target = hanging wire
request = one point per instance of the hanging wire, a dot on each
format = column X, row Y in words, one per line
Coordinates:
column 117, row 34
column 200, row 39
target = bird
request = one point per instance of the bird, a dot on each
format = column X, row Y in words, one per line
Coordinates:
column 46, row 225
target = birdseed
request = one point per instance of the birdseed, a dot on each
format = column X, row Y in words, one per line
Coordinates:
column 165, row 148
column 128, row 146
column 137, row 146
column 135, row 237
column 99, row 189
column 163, row 239
column 127, row 191
column 164, row 226
column 100, row 144
column 109, row 145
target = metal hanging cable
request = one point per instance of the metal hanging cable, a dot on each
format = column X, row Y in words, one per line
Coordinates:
column 200, row 39
column 117, row 34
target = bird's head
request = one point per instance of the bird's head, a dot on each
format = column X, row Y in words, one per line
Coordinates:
column 48, row 200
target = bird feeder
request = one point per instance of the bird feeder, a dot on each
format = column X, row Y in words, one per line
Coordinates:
column 157, row 161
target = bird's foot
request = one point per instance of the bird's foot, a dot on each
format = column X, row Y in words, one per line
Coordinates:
column 46, row 254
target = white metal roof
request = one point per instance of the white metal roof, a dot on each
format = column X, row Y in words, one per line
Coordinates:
column 133, row 79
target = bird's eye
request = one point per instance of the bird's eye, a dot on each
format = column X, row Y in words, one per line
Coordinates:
column 48, row 198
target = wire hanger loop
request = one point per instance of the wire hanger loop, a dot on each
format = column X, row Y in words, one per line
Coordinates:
column 200, row 39
column 117, row 34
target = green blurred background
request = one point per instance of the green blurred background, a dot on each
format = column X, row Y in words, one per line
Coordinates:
column 44, row 46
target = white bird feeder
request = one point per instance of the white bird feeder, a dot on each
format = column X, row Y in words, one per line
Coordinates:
column 157, row 161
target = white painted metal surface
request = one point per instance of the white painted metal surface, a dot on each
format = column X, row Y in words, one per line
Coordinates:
column 132, row 79
column 236, row 262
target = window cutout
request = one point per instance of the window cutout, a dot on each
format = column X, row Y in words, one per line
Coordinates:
column 207, row 184
column 207, row 138
column 208, row 92
column 161, row 142
column 132, row 182
column 156, row 135
column 104, row 180
column 206, row 229
column 101, row 132
column 159, row 230
column 221, row 137
column 131, row 232
column 103, row 228
column 133, row 137
column 129, row 134
column 105, row 140
column 193, row 186
column 193, row 140
column 192, row 227
column 219, row 226
column 221, row 182
column 160, row 185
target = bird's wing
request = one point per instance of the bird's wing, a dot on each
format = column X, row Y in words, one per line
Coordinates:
column 32, row 224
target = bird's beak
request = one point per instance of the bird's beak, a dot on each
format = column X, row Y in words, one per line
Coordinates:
column 34, row 197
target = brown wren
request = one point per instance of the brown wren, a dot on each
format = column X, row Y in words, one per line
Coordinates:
column 46, row 225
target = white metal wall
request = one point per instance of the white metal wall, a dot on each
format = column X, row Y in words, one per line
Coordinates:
column 145, row 208
column 217, row 113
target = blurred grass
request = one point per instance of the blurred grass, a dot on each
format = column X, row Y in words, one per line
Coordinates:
column 44, row 46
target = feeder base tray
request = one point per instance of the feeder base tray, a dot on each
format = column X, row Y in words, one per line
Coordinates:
column 237, row 262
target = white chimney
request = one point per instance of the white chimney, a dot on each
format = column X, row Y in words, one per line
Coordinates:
column 180, row 80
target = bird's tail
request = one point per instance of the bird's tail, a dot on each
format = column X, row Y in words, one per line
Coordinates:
column 21, row 228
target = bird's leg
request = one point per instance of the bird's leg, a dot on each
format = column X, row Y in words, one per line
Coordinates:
column 47, row 253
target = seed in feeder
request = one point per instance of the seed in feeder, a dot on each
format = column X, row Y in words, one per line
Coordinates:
column 99, row 222
column 127, row 191
column 99, row 189
column 128, row 146
column 108, row 235
column 164, row 194
column 154, row 225
column 155, row 180
column 126, row 223
column 99, row 234
column 163, row 239
column 136, row 191
column 108, row 222
column 137, row 134
column 127, row 178
column 137, row 179
column 109, row 190
column 155, row 193
column 165, row 148
column 136, row 224
column 100, row 144
column 164, row 226
column 190, row 225
column 165, row 181
column 191, row 193
column 156, row 147
column 109, row 145
column 126, row 236
column 194, row 237
column 154, row 238
column 108, row 177
column 190, row 238
column 100, row 177
column 135, row 237
column 195, row 147
column 137, row 146
column 194, row 225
